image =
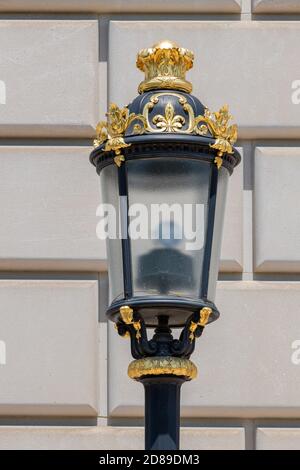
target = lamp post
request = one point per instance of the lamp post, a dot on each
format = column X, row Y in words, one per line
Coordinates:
column 170, row 158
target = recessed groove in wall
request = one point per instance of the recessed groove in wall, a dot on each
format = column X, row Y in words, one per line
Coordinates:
column 275, row 142
column 213, row 422
column 185, row 422
column 8, row 265
column 276, row 423
column 216, row 422
column 167, row 16
column 49, row 142
column 276, row 17
column 48, row 276
column 280, row 277
column 47, row 421
column 49, row 16
column 144, row 16
column 174, row 17
column 230, row 277
column 127, row 422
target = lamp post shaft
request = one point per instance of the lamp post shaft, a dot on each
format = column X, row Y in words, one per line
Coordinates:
column 162, row 412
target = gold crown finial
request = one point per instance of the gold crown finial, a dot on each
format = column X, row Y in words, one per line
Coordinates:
column 165, row 65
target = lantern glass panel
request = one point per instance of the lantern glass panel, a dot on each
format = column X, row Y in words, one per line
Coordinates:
column 223, row 177
column 168, row 204
column 110, row 222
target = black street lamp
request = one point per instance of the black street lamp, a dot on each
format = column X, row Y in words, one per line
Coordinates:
column 164, row 151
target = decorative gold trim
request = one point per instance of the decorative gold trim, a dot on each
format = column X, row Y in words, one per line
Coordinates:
column 169, row 122
column 216, row 123
column 112, row 131
column 204, row 315
column 168, row 365
column 118, row 121
column 225, row 135
column 126, row 314
column 165, row 65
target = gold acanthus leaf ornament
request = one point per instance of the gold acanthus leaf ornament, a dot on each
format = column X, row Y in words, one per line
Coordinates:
column 112, row 131
column 225, row 134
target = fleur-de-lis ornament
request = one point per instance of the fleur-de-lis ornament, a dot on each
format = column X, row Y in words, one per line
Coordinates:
column 169, row 122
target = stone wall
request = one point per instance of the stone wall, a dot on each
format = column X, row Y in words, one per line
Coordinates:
column 63, row 381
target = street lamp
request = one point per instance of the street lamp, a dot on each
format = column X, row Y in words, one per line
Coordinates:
column 164, row 163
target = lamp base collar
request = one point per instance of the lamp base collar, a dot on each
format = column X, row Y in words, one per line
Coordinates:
column 162, row 366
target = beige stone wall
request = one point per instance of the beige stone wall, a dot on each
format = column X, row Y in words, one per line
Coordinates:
column 63, row 381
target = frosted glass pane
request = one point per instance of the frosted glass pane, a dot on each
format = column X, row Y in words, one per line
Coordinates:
column 169, row 262
column 110, row 195
column 223, row 177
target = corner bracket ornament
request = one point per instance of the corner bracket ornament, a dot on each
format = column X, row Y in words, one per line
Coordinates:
column 126, row 314
column 162, row 345
column 204, row 315
column 111, row 132
column 217, row 124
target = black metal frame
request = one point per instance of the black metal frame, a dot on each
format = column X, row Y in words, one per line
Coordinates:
column 126, row 250
column 162, row 343
column 213, row 188
column 185, row 305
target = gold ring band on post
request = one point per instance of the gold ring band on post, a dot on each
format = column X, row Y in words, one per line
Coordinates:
column 153, row 366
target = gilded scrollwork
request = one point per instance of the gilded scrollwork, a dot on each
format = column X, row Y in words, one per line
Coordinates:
column 119, row 120
column 169, row 122
column 218, row 125
column 111, row 132
column 215, row 123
